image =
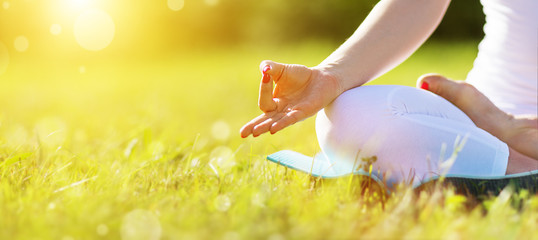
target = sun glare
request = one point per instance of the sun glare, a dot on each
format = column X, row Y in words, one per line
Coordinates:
column 102, row 229
column 21, row 44
column 140, row 224
column 211, row 3
column 176, row 5
column 55, row 29
column 220, row 130
column 94, row 30
column 5, row 4
column 80, row 4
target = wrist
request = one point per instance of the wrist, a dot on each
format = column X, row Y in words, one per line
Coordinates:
column 331, row 74
column 518, row 125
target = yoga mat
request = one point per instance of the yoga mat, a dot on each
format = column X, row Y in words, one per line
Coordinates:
column 320, row 166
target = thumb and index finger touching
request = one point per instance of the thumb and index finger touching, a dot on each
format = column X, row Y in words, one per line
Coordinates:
column 270, row 72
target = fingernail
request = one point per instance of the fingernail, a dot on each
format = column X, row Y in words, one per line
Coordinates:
column 266, row 78
column 266, row 68
column 425, row 86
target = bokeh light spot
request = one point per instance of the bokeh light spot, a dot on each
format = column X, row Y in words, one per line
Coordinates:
column 80, row 4
column 231, row 236
column 140, row 224
column 51, row 131
column 21, row 43
column 102, row 230
column 222, row 203
column 55, row 29
column 276, row 236
column 211, row 2
column 223, row 157
column 94, row 30
column 4, row 58
column 5, row 4
column 82, row 69
column 258, row 199
column 220, row 130
column 176, row 5
column 52, row 206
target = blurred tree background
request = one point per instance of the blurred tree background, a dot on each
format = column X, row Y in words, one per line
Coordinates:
column 281, row 21
column 152, row 28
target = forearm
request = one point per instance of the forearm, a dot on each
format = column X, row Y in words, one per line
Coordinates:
column 393, row 30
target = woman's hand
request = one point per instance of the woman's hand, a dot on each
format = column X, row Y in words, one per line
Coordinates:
column 300, row 92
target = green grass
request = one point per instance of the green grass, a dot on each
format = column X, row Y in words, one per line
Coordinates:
column 150, row 147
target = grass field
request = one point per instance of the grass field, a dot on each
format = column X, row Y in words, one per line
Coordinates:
column 149, row 149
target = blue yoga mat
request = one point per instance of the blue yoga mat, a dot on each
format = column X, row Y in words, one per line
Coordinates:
column 320, row 166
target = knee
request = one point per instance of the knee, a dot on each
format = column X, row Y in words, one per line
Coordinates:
column 355, row 121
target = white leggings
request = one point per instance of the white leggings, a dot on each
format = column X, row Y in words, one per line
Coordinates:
column 411, row 132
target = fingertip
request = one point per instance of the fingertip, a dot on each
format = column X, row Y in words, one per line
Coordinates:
column 274, row 128
column 424, row 85
column 243, row 135
column 266, row 68
column 420, row 82
column 256, row 132
column 244, row 131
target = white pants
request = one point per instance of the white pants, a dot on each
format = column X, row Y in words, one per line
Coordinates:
column 407, row 134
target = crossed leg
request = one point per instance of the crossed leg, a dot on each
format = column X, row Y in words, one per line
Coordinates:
column 520, row 133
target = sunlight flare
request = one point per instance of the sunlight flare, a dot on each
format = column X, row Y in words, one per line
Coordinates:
column 102, row 230
column 51, row 131
column 140, row 224
column 94, row 30
column 21, row 43
column 176, row 5
column 222, row 203
column 211, row 3
column 220, row 130
column 55, row 29
column 223, row 157
column 80, row 4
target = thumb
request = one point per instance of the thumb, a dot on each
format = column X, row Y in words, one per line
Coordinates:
column 274, row 69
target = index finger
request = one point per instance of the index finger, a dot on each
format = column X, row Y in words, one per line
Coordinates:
column 265, row 100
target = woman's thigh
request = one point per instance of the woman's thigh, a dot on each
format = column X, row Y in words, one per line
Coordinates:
column 407, row 134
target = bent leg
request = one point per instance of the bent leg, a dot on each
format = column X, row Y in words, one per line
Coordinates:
column 412, row 133
column 519, row 132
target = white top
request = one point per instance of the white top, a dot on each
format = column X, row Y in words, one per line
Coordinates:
column 506, row 68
